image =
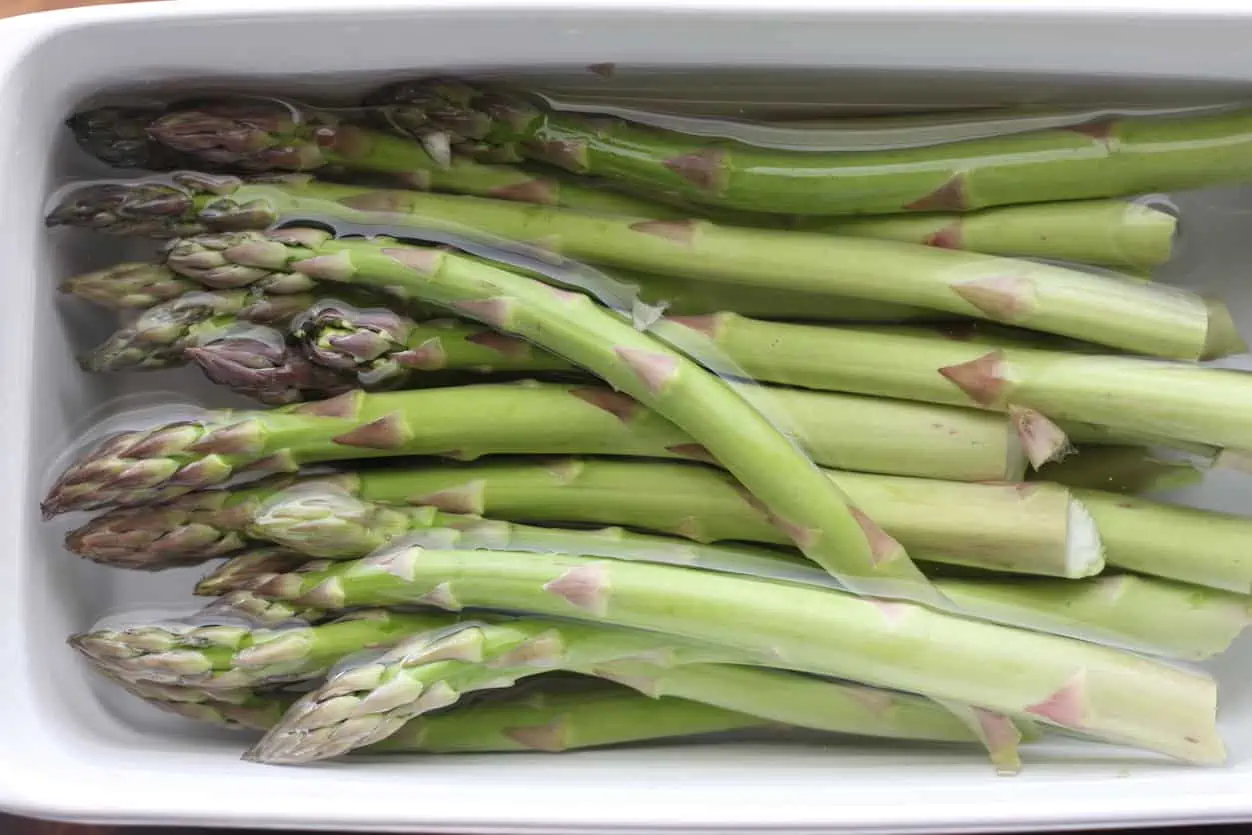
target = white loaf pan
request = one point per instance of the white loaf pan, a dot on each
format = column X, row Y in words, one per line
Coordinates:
column 69, row 751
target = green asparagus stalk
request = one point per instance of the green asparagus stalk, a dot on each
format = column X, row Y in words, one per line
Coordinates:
column 1032, row 528
column 848, row 432
column 1119, row 610
column 235, row 655
column 387, row 350
column 1107, row 158
column 140, row 285
column 1100, row 692
column 364, row 705
column 1134, row 397
column 253, row 134
column 157, row 464
column 807, row 702
column 327, row 523
column 1113, row 233
column 1179, row 543
column 544, row 720
column 553, row 721
column 432, row 670
column 1145, row 614
column 1131, row 315
column 695, row 296
column 770, row 466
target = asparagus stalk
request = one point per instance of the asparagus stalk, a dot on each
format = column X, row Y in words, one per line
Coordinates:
column 330, row 524
column 1112, row 233
column 1202, row 547
column 1135, row 397
column 552, row 721
column 1028, row 528
column 1145, row 614
column 255, row 134
column 386, row 350
column 1130, row 315
column 1180, row 543
column 1100, row 692
column 848, row 432
column 1107, row 158
column 232, row 655
column 545, row 720
column 1121, row 610
column 140, row 285
column 364, row 705
column 807, row 702
column 157, row 464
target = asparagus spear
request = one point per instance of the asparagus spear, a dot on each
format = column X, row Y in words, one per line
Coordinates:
column 545, row 720
column 259, row 134
column 1106, row 158
column 550, row 721
column 328, row 523
column 1113, row 233
column 364, row 705
column 1194, row 546
column 1032, row 528
column 1130, row 315
column 156, row 464
column 1103, row 693
column 1120, row 610
column 1145, row 614
column 233, row 655
column 387, row 350
column 1136, row 534
column 1135, row 397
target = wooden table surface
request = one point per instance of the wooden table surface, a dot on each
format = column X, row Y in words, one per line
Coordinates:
column 10, row 825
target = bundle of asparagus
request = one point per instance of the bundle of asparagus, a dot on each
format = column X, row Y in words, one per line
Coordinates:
column 872, row 475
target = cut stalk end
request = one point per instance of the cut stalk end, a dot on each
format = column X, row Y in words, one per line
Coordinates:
column 1223, row 338
column 1084, row 552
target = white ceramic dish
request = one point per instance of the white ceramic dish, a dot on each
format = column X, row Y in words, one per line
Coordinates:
column 69, row 751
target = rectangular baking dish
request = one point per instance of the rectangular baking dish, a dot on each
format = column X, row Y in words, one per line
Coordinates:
column 69, row 751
